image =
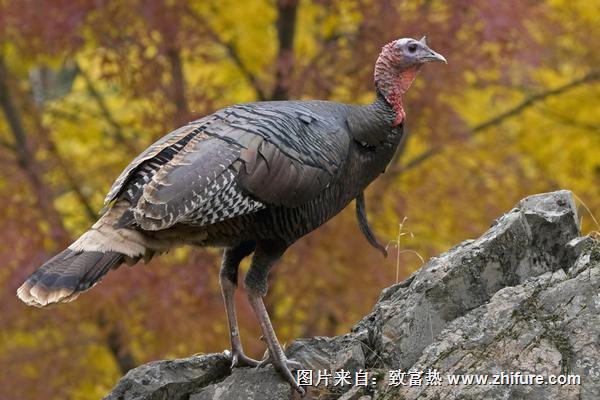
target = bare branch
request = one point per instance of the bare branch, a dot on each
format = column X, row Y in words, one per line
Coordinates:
column 568, row 121
column 250, row 77
column 536, row 98
column 7, row 145
column 117, row 130
column 66, row 115
column 500, row 118
column 67, row 171
column 232, row 53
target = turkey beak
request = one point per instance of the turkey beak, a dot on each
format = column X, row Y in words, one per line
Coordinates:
column 428, row 55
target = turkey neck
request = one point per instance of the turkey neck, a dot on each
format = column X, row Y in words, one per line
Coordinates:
column 376, row 137
column 371, row 124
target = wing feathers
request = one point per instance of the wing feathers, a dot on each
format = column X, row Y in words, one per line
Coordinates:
column 169, row 144
column 236, row 161
column 185, row 184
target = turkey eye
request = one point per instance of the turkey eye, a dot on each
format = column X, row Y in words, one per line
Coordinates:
column 412, row 48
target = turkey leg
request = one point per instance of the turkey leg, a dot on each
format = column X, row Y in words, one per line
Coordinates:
column 256, row 287
column 228, row 280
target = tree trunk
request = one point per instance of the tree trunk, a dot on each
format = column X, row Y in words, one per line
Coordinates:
column 286, row 29
column 114, row 337
column 28, row 164
column 178, row 86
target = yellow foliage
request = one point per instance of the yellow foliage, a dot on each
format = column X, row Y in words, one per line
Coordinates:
column 123, row 99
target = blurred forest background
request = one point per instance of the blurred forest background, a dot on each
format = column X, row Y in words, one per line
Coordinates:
column 87, row 84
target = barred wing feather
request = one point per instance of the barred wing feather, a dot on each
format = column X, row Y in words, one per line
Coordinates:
column 237, row 161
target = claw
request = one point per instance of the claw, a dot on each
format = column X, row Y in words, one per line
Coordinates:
column 263, row 363
column 285, row 368
column 265, row 360
column 293, row 364
column 300, row 390
column 239, row 359
column 290, row 364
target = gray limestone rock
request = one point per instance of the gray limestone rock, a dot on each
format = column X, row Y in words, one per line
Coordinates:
column 171, row 379
column 524, row 297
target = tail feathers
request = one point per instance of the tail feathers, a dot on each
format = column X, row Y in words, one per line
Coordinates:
column 69, row 273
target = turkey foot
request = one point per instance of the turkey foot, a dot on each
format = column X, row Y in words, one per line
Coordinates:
column 239, row 359
column 276, row 354
column 291, row 364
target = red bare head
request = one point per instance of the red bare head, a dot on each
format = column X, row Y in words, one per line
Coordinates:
column 398, row 66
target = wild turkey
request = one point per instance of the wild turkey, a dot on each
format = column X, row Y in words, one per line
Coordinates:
column 250, row 178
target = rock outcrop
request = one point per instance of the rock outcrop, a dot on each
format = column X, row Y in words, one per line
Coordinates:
column 519, row 306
